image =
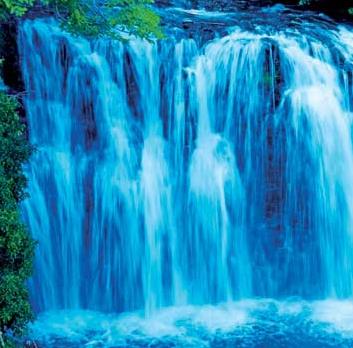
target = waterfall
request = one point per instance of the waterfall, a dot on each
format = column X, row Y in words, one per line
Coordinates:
column 188, row 171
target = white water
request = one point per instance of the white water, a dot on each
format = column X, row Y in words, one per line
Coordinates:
column 250, row 323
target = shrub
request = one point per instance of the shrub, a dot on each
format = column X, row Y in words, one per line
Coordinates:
column 16, row 245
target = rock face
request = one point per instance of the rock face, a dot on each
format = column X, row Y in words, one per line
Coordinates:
column 336, row 9
column 11, row 75
column 10, row 70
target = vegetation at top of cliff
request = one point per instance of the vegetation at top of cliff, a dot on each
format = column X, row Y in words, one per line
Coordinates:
column 14, row 7
column 94, row 19
column 16, row 245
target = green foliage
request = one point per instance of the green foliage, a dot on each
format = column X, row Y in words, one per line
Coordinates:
column 15, row 7
column 87, row 18
column 14, row 150
column 15, row 310
column 9, row 344
column 16, row 246
column 139, row 21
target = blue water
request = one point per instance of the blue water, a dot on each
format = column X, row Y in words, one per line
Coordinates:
column 209, row 168
column 246, row 324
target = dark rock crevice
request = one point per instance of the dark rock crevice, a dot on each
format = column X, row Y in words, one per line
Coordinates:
column 10, row 69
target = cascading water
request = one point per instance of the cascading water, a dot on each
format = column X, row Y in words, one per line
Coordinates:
column 188, row 173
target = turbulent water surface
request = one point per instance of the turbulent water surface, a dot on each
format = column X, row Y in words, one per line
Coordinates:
column 250, row 324
column 176, row 180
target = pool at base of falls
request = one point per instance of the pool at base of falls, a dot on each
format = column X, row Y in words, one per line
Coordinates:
column 261, row 323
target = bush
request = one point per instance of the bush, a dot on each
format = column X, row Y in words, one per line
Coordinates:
column 16, row 245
